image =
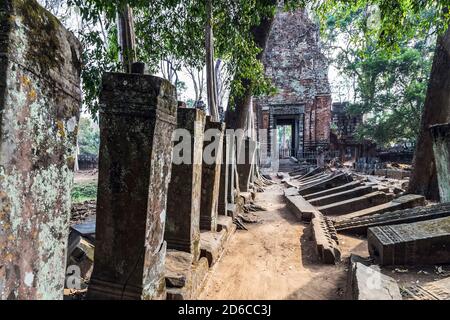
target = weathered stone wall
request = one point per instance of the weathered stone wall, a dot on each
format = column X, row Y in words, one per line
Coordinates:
column 299, row 70
column 40, row 100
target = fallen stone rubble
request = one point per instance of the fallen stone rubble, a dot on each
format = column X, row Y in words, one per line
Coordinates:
column 437, row 290
column 360, row 224
column 401, row 229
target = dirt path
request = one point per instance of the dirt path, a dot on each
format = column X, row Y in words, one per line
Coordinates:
column 86, row 176
column 275, row 259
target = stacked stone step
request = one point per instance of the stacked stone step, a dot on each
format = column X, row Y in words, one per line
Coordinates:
column 404, row 202
column 355, row 204
column 317, row 176
column 342, row 188
column 342, row 196
column 316, row 171
column 335, row 180
column 386, row 214
column 313, row 180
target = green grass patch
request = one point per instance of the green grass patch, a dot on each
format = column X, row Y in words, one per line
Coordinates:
column 82, row 192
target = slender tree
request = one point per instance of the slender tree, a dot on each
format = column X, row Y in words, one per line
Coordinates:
column 210, row 70
column 127, row 37
column 259, row 34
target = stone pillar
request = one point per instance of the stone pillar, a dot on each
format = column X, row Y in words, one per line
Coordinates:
column 441, row 147
column 137, row 118
column 245, row 163
column 224, row 178
column 211, row 174
column 231, row 170
column 40, row 100
column 183, row 203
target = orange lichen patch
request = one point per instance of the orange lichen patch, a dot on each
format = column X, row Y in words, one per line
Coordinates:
column 61, row 130
column 26, row 82
column 32, row 95
column 9, row 257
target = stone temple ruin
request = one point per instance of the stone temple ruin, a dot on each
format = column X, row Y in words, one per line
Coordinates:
column 294, row 62
column 158, row 226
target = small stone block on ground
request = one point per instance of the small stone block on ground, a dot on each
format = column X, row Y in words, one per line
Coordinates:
column 301, row 208
column 224, row 222
column 212, row 245
column 420, row 243
column 184, row 277
column 366, row 282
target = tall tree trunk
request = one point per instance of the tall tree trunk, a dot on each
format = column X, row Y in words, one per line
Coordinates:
column 260, row 34
column 436, row 110
column 210, row 78
column 127, row 37
column 218, row 86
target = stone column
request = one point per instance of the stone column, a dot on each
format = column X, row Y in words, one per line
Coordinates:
column 40, row 100
column 137, row 118
column 231, row 170
column 213, row 146
column 183, row 203
column 224, row 179
column 441, row 147
column 245, row 163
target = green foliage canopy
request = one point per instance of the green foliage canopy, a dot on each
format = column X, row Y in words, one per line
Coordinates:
column 175, row 30
column 386, row 51
column 88, row 137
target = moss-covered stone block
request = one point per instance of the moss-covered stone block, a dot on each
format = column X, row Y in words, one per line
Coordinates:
column 40, row 100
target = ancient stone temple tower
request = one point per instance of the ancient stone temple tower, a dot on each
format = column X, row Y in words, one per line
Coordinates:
column 299, row 70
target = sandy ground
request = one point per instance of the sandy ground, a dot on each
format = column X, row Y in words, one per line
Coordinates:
column 275, row 259
column 86, row 176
